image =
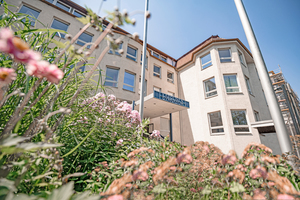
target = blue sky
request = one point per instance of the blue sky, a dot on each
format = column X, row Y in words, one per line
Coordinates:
column 176, row 26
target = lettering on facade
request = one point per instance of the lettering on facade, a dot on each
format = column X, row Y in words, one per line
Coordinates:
column 171, row 99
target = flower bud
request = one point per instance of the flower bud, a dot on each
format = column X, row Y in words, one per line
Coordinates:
column 135, row 36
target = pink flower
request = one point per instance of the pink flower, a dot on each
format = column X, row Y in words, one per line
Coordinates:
column 229, row 159
column 185, row 158
column 193, row 190
column 115, row 197
column 206, row 148
column 285, row 197
column 258, row 172
column 42, row 69
column 7, row 75
column 120, row 141
column 155, row 134
column 139, row 175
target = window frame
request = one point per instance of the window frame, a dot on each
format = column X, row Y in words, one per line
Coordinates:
column 154, row 54
column 159, row 89
column 225, row 58
column 32, row 19
column 209, row 63
column 171, row 93
column 58, row 34
column 170, row 80
column 215, row 127
column 248, row 85
column 120, row 46
column 63, row 4
column 129, row 56
column 256, row 115
column 241, row 126
column 81, row 14
column 242, row 59
column 234, row 87
column 156, row 74
column 125, row 84
column 82, row 41
column 164, row 59
column 211, row 91
column 112, row 81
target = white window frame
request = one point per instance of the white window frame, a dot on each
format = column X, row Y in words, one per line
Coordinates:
column 224, row 58
column 209, row 62
column 131, row 57
column 248, row 85
column 241, row 126
column 171, row 80
column 156, row 89
column 85, row 41
column 60, row 35
column 171, row 93
column 120, row 46
column 162, row 57
column 215, row 127
column 237, row 80
column 131, row 86
column 158, row 56
column 156, row 74
column 64, row 5
column 112, row 80
column 31, row 18
column 256, row 116
column 74, row 10
column 242, row 59
column 206, row 93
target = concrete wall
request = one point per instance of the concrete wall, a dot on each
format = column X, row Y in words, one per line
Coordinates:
column 271, row 140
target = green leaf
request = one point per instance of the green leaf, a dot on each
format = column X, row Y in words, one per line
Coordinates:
column 236, row 187
column 43, row 175
column 12, row 140
column 63, row 193
column 159, row 189
column 84, row 20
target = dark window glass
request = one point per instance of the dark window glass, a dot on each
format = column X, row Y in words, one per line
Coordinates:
column 61, row 26
column 33, row 14
column 62, row 6
column 77, row 14
column 129, row 81
column 111, row 77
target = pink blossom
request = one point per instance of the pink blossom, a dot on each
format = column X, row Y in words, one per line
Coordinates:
column 285, row 197
column 258, row 172
column 193, row 190
column 120, row 141
column 206, row 148
column 42, row 69
column 229, row 159
column 155, row 134
column 139, row 175
column 115, row 197
column 185, row 158
column 7, row 75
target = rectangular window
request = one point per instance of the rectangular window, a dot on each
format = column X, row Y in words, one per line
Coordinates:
column 61, row 26
column 215, row 122
column 241, row 59
column 129, row 80
column 171, row 94
column 210, row 87
column 248, row 85
column 33, row 14
column 240, row 121
column 164, row 59
column 50, row 1
column 156, row 89
column 111, row 77
column 83, row 39
column 78, row 14
column 145, row 87
column 256, row 115
column 156, row 71
column 63, row 6
column 117, row 50
column 206, row 61
column 170, row 77
column 231, row 83
column 146, row 64
column 131, row 53
column 225, row 55
column 155, row 54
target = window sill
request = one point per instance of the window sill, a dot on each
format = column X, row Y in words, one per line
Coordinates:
column 211, row 96
column 157, row 77
column 243, row 133
column 171, row 81
column 131, row 60
column 228, row 62
column 217, row 134
column 233, row 93
column 205, row 67
column 128, row 90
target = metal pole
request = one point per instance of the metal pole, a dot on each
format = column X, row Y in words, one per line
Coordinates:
column 281, row 131
column 141, row 107
column 171, row 130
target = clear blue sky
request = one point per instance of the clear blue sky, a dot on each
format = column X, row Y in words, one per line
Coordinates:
column 176, row 26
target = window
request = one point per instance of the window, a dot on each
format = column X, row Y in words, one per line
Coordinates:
column 50, row 1
column 146, row 64
column 241, row 59
column 225, row 55
column 256, row 115
column 145, row 87
column 164, row 59
column 131, row 53
column 215, row 122
column 111, row 77
column 248, row 85
column 33, row 14
column 170, row 76
column 78, row 14
column 210, row 87
column 61, row 26
column 206, row 61
column 120, row 46
column 156, row 89
column 155, row 54
column 129, row 80
column 156, row 71
column 83, row 39
column 171, row 94
column 231, row 83
column 63, row 6
column 239, row 121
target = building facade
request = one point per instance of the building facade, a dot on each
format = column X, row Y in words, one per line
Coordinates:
column 224, row 101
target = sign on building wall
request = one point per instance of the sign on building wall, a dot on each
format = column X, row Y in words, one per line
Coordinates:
column 171, row 99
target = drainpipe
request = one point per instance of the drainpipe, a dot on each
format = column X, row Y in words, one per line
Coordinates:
column 281, row 131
